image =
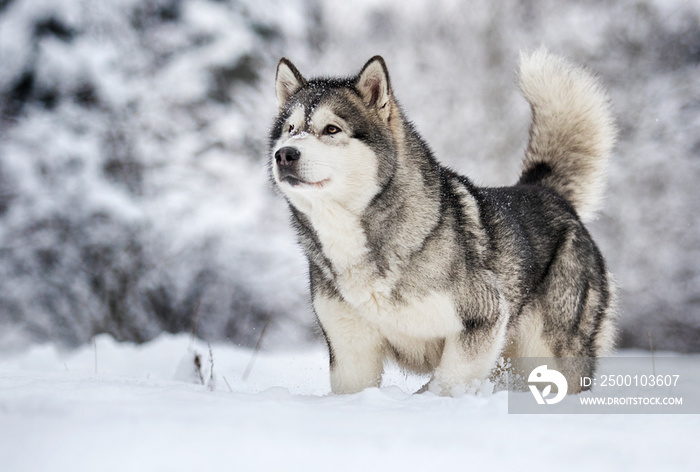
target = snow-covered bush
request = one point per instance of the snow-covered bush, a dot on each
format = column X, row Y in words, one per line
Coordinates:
column 133, row 194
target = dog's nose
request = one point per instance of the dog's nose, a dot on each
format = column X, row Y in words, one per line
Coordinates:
column 287, row 155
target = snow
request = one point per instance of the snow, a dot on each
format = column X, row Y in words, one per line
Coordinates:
column 120, row 406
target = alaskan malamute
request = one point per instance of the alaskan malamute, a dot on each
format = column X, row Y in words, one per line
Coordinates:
column 410, row 261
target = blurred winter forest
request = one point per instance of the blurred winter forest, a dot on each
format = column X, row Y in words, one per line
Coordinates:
column 133, row 191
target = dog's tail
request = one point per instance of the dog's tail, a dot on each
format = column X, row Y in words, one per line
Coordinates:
column 572, row 132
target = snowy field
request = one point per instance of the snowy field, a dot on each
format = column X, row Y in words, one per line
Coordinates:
column 123, row 407
column 134, row 199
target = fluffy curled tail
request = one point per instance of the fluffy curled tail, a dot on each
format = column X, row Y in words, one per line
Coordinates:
column 572, row 132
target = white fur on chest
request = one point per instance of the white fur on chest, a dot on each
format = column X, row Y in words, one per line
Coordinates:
column 340, row 233
column 344, row 243
column 429, row 317
column 426, row 317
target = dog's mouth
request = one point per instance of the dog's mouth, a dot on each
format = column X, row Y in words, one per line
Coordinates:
column 296, row 182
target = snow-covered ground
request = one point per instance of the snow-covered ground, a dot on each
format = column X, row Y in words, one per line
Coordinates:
column 124, row 407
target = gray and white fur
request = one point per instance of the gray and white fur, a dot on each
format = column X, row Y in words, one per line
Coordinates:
column 412, row 262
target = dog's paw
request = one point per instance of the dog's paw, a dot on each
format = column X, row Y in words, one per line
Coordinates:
column 458, row 389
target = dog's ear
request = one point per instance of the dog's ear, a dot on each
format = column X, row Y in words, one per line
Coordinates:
column 287, row 81
column 374, row 86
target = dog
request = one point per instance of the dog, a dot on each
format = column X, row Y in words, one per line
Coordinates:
column 410, row 261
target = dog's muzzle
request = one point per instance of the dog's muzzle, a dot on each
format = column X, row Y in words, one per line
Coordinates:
column 287, row 159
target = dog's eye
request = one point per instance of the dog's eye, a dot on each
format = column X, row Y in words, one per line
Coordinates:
column 331, row 129
column 291, row 128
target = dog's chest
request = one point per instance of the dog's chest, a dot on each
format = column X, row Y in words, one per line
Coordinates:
column 353, row 268
column 374, row 294
column 341, row 235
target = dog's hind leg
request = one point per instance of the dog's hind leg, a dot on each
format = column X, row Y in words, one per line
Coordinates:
column 572, row 325
column 525, row 338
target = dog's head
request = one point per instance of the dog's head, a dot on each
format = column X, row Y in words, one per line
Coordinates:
column 332, row 139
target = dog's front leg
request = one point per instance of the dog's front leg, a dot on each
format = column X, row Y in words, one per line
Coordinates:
column 354, row 344
column 470, row 355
